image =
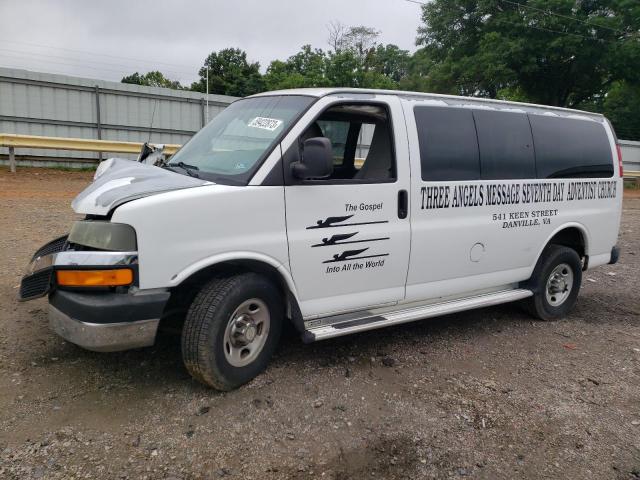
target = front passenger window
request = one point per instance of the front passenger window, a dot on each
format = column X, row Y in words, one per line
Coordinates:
column 361, row 142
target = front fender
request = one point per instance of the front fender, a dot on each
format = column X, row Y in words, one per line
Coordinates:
column 217, row 259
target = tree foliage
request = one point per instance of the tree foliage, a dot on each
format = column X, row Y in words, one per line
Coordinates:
column 380, row 66
column 230, row 73
column 574, row 53
column 554, row 52
column 152, row 79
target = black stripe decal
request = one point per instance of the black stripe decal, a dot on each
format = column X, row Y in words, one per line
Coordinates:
column 347, row 224
column 350, row 241
column 355, row 258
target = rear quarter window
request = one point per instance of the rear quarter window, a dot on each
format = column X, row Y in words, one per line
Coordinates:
column 570, row 148
column 448, row 143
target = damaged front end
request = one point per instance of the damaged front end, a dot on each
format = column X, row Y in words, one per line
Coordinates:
column 91, row 278
column 36, row 282
column 98, row 250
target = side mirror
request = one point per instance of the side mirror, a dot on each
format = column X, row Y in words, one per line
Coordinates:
column 317, row 160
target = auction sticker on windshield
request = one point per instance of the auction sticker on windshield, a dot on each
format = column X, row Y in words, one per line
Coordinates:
column 265, row 123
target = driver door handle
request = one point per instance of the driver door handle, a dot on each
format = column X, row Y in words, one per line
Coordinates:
column 403, row 204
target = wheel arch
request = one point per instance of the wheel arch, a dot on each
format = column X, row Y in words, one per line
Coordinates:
column 573, row 235
column 186, row 283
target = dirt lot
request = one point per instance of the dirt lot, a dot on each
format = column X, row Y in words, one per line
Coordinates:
column 485, row 394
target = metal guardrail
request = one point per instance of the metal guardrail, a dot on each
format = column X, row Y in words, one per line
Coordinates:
column 13, row 141
column 632, row 176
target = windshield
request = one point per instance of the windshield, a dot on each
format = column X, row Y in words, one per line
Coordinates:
column 232, row 145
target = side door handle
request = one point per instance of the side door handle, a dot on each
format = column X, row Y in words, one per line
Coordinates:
column 403, row 204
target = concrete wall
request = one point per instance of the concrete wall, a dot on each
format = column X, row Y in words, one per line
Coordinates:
column 34, row 103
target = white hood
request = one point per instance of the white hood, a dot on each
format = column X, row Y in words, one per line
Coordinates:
column 118, row 181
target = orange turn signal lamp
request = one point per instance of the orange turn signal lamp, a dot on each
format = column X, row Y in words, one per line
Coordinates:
column 95, row 278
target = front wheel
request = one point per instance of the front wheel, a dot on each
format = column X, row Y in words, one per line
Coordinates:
column 555, row 283
column 231, row 330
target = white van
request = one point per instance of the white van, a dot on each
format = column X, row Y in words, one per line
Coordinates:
column 339, row 210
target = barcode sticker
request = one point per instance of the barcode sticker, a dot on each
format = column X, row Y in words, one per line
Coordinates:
column 265, row 123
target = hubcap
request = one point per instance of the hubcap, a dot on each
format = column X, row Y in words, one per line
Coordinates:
column 559, row 285
column 246, row 332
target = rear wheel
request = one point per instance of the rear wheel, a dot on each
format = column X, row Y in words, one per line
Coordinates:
column 231, row 330
column 555, row 283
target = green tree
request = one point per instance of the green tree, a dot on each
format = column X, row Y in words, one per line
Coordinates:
column 621, row 105
column 230, row 74
column 307, row 68
column 152, row 79
column 554, row 52
column 344, row 68
column 390, row 61
column 418, row 76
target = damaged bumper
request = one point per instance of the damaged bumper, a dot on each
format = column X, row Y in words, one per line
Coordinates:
column 107, row 322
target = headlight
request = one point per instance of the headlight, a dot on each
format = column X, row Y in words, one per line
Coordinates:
column 116, row 237
column 102, row 167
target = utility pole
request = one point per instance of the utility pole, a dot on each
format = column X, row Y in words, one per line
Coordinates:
column 207, row 120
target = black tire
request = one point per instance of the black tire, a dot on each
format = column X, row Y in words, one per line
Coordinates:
column 203, row 335
column 539, row 305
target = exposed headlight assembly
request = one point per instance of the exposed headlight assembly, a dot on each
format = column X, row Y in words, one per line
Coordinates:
column 115, row 237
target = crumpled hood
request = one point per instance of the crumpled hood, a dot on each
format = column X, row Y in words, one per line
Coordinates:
column 121, row 180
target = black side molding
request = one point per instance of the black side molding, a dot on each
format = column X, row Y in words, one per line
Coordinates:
column 615, row 255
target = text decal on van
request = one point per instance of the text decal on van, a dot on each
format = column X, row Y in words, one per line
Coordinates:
column 456, row 196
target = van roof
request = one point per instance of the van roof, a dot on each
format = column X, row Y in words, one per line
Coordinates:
column 441, row 99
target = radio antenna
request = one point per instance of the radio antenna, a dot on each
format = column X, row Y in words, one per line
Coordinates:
column 153, row 114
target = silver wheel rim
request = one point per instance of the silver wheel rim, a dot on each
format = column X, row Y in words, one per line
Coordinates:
column 246, row 332
column 559, row 285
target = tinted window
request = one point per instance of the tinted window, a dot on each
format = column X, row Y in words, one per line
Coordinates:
column 570, row 148
column 506, row 146
column 448, row 144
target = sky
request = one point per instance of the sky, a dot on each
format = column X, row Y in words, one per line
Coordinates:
column 108, row 39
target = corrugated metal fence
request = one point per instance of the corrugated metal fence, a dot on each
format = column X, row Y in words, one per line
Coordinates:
column 630, row 155
column 52, row 105
column 56, row 105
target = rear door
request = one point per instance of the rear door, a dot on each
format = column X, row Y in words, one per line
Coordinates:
column 348, row 235
column 467, row 180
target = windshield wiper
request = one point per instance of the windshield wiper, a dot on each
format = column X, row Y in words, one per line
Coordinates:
column 190, row 169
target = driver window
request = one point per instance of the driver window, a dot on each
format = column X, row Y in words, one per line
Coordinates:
column 361, row 141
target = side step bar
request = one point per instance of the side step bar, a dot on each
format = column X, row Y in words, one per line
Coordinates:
column 350, row 323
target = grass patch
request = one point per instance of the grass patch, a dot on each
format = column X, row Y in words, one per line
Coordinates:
column 72, row 169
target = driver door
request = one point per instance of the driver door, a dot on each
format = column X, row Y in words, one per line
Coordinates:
column 349, row 234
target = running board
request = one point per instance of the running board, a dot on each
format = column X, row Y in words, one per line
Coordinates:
column 351, row 323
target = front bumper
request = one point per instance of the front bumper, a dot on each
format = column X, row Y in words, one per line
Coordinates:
column 103, row 337
column 107, row 322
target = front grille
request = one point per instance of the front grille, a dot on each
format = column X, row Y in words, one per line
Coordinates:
column 35, row 285
column 54, row 246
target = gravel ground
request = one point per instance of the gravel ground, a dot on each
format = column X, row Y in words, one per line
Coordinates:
column 484, row 394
